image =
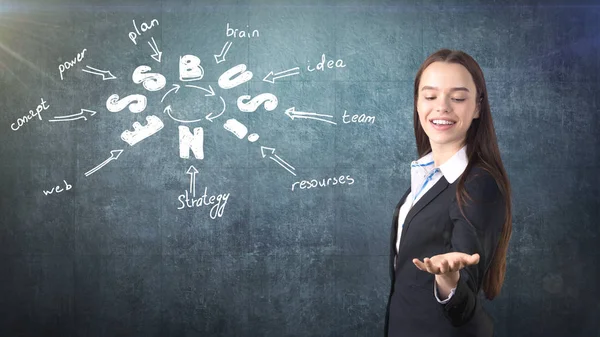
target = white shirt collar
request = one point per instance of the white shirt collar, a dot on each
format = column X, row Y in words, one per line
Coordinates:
column 451, row 169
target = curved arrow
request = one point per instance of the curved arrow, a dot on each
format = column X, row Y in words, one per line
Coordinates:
column 222, row 111
column 168, row 110
column 210, row 90
column 175, row 87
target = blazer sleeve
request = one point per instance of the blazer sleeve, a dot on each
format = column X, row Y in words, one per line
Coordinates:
column 478, row 231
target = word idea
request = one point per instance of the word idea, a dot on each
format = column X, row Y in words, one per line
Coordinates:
column 69, row 64
column 362, row 118
column 339, row 63
column 230, row 32
column 58, row 188
column 144, row 27
column 22, row 120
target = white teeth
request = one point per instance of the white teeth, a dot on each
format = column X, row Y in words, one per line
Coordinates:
column 441, row 121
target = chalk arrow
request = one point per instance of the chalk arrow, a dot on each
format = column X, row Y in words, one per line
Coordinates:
column 157, row 53
column 175, row 87
column 292, row 113
column 114, row 155
column 277, row 159
column 106, row 75
column 210, row 91
column 221, row 57
column 168, row 111
column 192, row 172
column 79, row 115
column 271, row 77
column 210, row 117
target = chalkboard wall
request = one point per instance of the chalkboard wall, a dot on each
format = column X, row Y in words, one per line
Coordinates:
column 230, row 168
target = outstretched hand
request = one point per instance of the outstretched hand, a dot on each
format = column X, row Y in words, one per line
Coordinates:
column 446, row 263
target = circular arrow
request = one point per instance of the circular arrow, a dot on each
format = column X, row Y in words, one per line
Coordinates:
column 168, row 110
column 222, row 111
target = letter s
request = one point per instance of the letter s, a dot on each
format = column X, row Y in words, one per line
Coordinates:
column 181, row 201
column 138, row 103
column 350, row 180
column 269, row 100
column 150, row 81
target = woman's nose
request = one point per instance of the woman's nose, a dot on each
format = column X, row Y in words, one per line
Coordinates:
column 442, row 105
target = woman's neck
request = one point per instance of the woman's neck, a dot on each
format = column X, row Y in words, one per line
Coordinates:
column 443, row 152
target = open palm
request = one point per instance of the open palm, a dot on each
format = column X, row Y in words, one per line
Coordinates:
column 446, row 263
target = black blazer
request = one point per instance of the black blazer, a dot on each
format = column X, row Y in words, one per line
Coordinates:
column 435, row 225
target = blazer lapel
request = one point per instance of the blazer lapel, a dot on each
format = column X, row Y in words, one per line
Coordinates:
column 394, row 234
column 425, row 199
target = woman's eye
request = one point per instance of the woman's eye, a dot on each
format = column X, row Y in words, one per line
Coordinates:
column 429, row 98
column 459, row 99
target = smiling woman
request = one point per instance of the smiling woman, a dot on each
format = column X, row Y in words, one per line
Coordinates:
column 452, row 226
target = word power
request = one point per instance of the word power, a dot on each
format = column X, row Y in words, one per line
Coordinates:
column 362, row 118
column 330, row 64
column 65, row 66
column 58, row 188
column 144, row 27
column 240, row 33
column 22, row 120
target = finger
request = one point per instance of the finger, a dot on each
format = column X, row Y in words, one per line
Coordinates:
column 419, row 264
column 444, row 266
column 474, row 259
column 454, row 265
column 430, row 266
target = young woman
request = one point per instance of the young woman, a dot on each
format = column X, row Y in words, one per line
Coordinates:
column 451, row 228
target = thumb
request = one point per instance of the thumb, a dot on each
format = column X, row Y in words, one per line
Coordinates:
column 474, row 259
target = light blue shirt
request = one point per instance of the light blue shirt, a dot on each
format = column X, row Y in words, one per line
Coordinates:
column 423, row 175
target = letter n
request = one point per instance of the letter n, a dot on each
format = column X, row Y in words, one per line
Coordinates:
column 188, row 142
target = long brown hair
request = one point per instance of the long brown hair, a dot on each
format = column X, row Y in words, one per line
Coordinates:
column 482, row 150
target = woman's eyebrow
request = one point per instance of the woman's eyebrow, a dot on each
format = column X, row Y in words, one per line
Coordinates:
column 427, row 87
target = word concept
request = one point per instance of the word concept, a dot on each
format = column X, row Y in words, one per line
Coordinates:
column 22, row 120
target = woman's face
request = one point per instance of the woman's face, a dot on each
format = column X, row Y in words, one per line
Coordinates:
column 447, row 95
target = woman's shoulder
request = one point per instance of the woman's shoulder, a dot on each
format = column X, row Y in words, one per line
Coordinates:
column 481, row 182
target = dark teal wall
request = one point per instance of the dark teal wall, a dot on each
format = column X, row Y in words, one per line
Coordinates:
column 117, row 253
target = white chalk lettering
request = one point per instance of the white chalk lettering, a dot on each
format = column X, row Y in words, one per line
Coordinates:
column 230, row 32
column 218, row 202
column 144, row 27
column 324, row 182
column 330, row 64
column 58, row 188
column 189, row 141
column 362, row 118
column 37, row 113
column 69, row 64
